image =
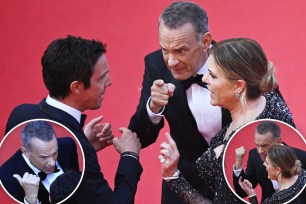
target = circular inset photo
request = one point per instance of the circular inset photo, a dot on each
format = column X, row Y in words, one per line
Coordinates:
column 41, row 161
column 265, row 162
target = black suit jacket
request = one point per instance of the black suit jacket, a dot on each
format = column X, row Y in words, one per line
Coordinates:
column 183, row 127
column 94, row 188
column 256, row 173
column 67, row 158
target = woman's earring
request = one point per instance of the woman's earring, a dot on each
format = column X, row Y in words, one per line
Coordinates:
column 237, row 96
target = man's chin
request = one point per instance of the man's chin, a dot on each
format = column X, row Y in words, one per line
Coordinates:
column 178, row 76
column 49, row 171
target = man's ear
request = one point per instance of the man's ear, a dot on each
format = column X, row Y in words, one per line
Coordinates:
column 239, row 86
column 206, row 41
column 279, row 141
column 25, row 151
column 76, row 87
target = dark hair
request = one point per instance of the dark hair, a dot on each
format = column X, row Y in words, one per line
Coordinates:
column 179, row 13
column 67, row 60
column 243, row 58
column 269, row 126
column 37, row 129
column 285, row 158
column 64, row 185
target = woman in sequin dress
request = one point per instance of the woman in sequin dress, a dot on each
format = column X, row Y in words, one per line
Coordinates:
column 241, row 80
column 282, row 165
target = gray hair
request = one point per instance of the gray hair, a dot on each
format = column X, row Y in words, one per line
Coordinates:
column 179, row 13
column 269, row 126
column 37, row 129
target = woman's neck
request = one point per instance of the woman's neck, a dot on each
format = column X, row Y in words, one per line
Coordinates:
column 285, row 183
column 241, row 116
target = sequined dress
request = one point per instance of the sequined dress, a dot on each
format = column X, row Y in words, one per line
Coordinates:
column 286, row 194
column 210, row 168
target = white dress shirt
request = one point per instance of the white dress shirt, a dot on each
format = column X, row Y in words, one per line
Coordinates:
column 208, row 117
column 71, row 111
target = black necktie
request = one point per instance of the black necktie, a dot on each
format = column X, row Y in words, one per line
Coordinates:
column 43, row 175
column 197, row 79
column 83, row 119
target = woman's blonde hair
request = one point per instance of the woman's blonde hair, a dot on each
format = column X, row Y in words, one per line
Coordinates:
column 285, row 158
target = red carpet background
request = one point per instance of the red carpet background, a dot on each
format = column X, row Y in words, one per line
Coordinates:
column 129, row 28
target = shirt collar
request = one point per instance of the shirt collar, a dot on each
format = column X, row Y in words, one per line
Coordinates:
column 68, row 109
column 204, row 69
column 36, row 170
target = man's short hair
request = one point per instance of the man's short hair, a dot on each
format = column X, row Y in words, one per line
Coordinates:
column 179, row 13
column 67, row 60
column 37, row 129
column 64, row 185
column 269, row 126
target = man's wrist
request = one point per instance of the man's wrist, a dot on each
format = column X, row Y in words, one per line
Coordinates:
column 155, row 118
column 153, row 108
column 130, row 153
column 30, row 200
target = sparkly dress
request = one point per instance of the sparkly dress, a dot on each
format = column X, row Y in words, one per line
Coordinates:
column 210, row 168
column 286, row 194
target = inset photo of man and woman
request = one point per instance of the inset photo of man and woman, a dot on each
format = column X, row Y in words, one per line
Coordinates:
column 265, row 162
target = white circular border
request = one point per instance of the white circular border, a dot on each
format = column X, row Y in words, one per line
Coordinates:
column 257, row 121
column 76, row 139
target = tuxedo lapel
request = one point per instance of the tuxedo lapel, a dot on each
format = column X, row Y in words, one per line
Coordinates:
column 60, row 116
column 22, row 165
column 43, row 194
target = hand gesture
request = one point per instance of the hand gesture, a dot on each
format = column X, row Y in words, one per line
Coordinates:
column 127, row 142
column 169, row 156
column 30, row 185
column 239, row 152
column 247, row 187
column 99, row 135
column 160, row 94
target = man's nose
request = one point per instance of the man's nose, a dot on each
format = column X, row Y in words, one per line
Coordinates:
column 109, row 81
column 51, row 162
column 260, row 150
column 172, row 60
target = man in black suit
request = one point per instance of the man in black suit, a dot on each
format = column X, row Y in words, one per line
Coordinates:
column 267, row 134
column 169, row 90
column 41, row 154
column 75, row 72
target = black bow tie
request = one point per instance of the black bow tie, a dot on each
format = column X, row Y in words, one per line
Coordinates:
column 43, row 175
column 83, row 119
column 197, row 79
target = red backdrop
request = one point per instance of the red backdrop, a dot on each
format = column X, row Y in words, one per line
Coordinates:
column 129, row 28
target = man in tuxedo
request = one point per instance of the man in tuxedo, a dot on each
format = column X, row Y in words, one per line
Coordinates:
column 41, row 155
column 172, row 88
column 267, row 134
column 75, row 72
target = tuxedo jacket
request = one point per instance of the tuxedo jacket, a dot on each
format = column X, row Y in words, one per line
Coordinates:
column 67, row 158
column 183, row 127
column 256, row 173
column 93, row 188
